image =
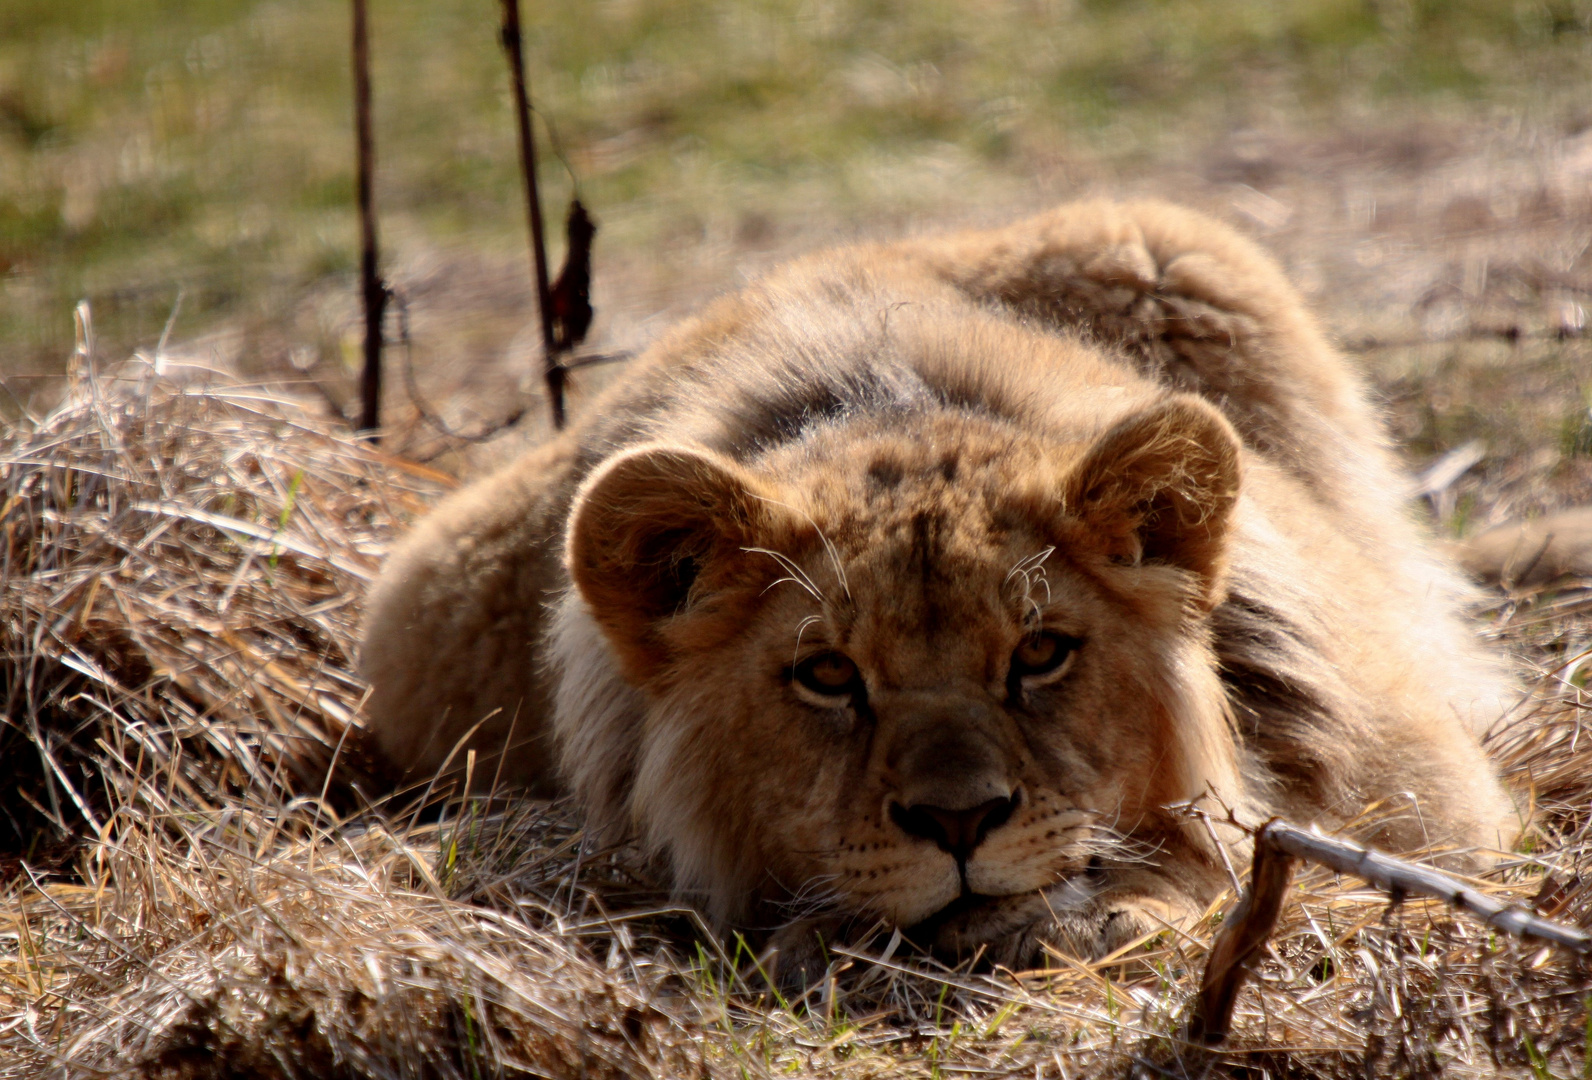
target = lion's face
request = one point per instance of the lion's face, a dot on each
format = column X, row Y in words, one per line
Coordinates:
column 922, row 676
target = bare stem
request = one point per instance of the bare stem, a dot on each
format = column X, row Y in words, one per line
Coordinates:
column 553, row 372
column 373, row 289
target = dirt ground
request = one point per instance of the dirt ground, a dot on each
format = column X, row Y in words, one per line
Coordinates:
column 1454, row 257
column 222, row 925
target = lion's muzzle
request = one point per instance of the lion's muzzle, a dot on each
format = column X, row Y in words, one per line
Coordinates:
column 956, row 831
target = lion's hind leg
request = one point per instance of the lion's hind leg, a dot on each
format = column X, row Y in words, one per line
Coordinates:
column 1195, row 305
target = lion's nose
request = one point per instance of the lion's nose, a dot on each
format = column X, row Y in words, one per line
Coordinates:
column 955, row 831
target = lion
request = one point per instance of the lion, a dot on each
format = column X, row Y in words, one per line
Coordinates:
column 945, row 583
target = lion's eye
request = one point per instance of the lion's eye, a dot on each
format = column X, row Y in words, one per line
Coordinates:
column 829, row 675
column 1043, row 654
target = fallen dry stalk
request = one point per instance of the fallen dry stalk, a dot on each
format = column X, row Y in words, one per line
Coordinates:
column 192, row 884
column 1278, row 847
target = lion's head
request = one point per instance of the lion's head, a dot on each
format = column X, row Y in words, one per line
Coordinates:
column 919, row 668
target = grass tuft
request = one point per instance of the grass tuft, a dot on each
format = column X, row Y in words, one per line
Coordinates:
column 200, row 880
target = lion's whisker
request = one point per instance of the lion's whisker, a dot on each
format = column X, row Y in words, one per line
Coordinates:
column 816, row 895
column 1031, row 571
column 791, row 580
column 797, row 574
column 1032, row 562
column 829, row 548
column 801, row 628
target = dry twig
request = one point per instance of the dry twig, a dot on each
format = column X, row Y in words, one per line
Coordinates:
column 1278, row 846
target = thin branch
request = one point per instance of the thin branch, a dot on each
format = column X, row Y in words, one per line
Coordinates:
column 428, row 414
column 1509, row 332
column 513, row 45
column 1278, row 846
column 1242, row 937
column 372, row 288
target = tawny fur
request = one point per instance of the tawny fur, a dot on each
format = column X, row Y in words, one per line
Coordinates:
column 1116, row 423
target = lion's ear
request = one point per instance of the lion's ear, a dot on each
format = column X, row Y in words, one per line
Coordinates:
column 1160, row 487
column 645, row 529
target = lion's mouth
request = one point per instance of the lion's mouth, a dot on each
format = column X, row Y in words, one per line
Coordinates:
column 969, row 903
column 975, row 916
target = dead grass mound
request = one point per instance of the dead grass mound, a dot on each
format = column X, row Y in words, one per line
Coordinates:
column 180, row 577
column 199, row 878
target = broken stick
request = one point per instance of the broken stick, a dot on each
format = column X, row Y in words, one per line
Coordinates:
column 1278, row 846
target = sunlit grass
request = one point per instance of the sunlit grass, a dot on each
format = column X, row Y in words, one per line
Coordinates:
column 147, row 145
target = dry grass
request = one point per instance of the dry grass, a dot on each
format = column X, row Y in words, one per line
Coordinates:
column 180, row 593
column 196, row 883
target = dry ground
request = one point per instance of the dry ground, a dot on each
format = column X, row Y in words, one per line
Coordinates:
column 1453, row 254
column 194, row 881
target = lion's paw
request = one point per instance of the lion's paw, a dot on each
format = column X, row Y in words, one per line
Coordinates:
column 1090, row 931
column 796, row 957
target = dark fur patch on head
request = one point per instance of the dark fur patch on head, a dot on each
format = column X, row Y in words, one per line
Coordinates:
column 926, row 543
column 885, row 473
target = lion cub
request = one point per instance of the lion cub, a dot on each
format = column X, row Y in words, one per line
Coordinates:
column 928, row 582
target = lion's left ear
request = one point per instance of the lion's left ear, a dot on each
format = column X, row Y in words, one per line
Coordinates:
column 1160, row 487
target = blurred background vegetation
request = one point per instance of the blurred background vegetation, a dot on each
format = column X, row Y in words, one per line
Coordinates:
column 151, row 147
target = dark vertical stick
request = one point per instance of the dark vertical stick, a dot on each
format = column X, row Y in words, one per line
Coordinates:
column 375, row 292
column 1278, row 846
column 1240, row 942
column 513, row 45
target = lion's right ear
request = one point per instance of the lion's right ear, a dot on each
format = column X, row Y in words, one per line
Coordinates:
column 647, row 529
column 1161, row 486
